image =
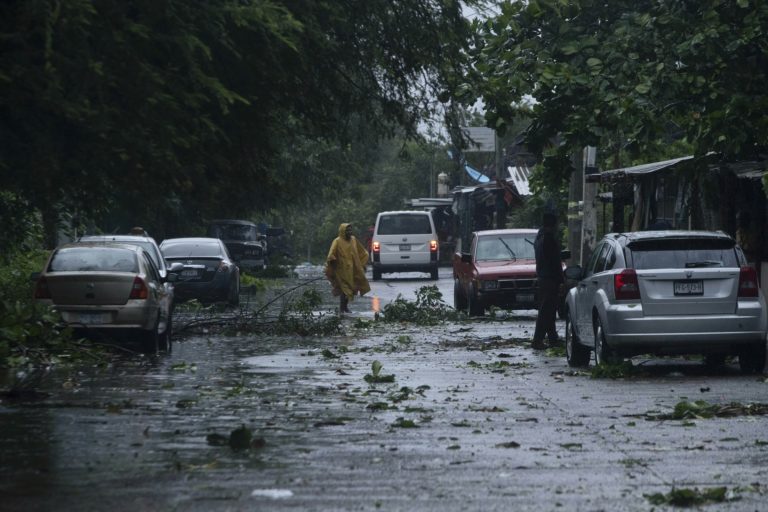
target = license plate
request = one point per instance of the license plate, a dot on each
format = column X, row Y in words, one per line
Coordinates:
column 189, row 273
column 91, row 318
column 689, row 287
column 405, row 247
column 525, row 297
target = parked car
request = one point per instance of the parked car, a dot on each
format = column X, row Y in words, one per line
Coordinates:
column 246, row 245
column 209, row 274
column 108, row 288
column 404, row 241
column 497, row 269
column 666, row 292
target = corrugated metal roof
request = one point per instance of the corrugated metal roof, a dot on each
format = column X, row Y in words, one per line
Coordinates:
column 643, row 169
column 519, row 175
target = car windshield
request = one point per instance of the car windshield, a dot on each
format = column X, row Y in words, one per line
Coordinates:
column 193, row 250
column 101, row 259
column 504, row 247
column 683, row 253
column 242, row 232
column 404, row 224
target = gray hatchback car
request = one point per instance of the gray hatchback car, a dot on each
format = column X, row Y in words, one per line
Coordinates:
column 666, row 292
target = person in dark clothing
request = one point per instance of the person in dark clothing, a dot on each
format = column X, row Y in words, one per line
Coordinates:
column 549, row 271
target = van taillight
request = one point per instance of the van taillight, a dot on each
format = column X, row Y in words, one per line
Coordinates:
column 748, row 286
column 139, row 289
column 433, row 245
column 41, row 289
column 376, row 246
column 625, row 285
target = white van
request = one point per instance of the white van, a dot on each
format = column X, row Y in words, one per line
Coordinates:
column 404, row 241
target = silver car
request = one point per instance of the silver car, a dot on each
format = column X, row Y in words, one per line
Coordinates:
column 666, row 292
column 111, row 289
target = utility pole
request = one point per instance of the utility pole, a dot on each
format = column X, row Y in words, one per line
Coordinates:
column 574, row 215
column 589, row 208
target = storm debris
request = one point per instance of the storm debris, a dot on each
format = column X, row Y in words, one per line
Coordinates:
column 375, row 375
column 691, row 497
column 703, row 410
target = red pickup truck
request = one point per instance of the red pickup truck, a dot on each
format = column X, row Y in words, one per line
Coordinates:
column 497, row 269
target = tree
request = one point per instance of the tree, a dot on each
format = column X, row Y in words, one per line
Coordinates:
column 166, row 112
column 628, row 75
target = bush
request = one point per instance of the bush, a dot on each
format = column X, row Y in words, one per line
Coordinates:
column 429, row 308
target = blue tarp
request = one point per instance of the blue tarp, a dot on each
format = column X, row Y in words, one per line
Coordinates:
column 472, row 172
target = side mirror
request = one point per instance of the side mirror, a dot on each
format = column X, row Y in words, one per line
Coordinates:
column 175, row 268
column 574, row 272
column 466, row 258
column 565, row 254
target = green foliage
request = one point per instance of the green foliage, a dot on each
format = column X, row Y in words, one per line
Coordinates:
column 428, row 309
column 628, row 77
column 169, row 112
column 614, row 371
column 685, row 497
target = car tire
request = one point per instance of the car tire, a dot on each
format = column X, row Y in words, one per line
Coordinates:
column 576, row 354
column 752, row 359
column 376, row 274
column 603, row 353
column 473, row 303
column 459, row 300
column 150, row 341
column 433, row 273
column 164, row 341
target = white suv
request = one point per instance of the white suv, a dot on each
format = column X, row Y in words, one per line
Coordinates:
column 404, row 241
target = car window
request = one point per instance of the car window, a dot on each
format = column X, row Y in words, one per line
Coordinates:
column 593, row 259
column 242, row 232
column 602, row 258
column 683, row 253
column 611, row 259
column 93, row 259
column 404, row 224
column 193, row 249
column 504, row 247
column 151, row 268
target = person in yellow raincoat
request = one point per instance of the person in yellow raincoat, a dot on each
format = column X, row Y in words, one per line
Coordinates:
column 345, row 267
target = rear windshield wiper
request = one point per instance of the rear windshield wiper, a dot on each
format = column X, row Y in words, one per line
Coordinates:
column 705, row 263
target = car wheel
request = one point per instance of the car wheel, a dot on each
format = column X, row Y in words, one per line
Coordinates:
column 376, row 274
column 234, row 293
column 576, row 354
column 473, row 303
column 603, row 353
column 150, row 341
column 164, row 342
column 459, row 300
column 752, row 359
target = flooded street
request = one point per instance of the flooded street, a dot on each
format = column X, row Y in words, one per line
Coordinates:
column 472, row 419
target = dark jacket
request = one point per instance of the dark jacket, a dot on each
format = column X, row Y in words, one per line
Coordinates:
column 548, row 262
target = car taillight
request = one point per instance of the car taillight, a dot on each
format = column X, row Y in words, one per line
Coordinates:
column 625, row 285
column 139, row 289
column 223, row 266
column 376, row 246
column 433, row 246
column 41, row 289
column 748, row 286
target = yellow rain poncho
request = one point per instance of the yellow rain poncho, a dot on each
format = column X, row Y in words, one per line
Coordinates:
column 345, row 265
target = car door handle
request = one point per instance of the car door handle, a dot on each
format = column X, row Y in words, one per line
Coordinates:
column 582, row 285
column 594, row 282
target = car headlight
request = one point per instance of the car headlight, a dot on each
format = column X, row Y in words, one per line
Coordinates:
column 489, row 285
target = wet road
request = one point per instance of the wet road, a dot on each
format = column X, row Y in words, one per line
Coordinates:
column 474, row 420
